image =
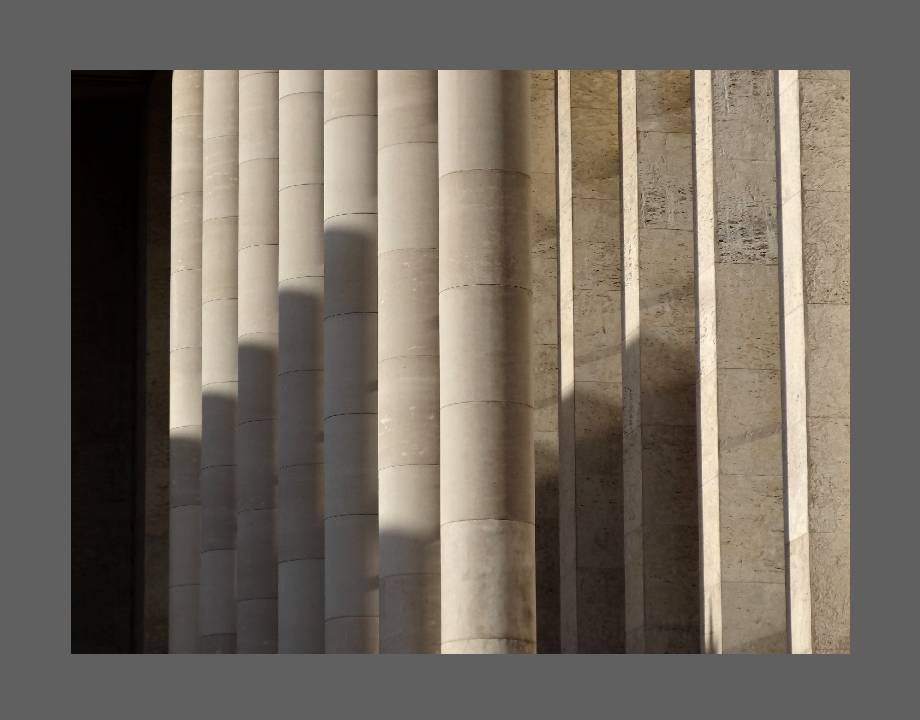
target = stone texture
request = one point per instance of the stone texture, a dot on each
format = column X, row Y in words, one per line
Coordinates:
column 660, row 372
column 257, row 473
column 185, row 359
column 300, row 288
column 350, row 360
column 407, row 362
column 488, row 601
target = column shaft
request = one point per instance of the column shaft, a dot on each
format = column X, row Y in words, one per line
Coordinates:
column 217, row 621
column 486, row 395
column 185, row 361
column 300, row 361
column 350, row 359
column 257, row 569
column 408, row 437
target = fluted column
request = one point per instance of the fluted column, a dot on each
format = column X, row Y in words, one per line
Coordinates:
column 590, row 408
column 487, row 465
column 813, row 193
column 740, row 448
column 300, row 361
column 217, row 620
column 659, row 366
column 408, row 437
column 257, row 570
column 350, row 359
column 185, row 361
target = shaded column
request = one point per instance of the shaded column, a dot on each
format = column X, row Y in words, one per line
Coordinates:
column 257, row 570
column 300, row 361
column 408, row 437
column 745, row 431
column 487, row 471
column 185, row 360
column 544, row 262
column 350, row 359
column 217, row 620
column 590, row 337
column 659, row 377
column 814, row 171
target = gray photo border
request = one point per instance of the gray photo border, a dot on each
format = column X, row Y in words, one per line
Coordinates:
column 44, row 43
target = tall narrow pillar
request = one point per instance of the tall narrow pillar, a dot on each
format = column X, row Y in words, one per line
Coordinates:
column 544, row 261
column 486, row 396
column 185, row 361
column 257, row 569
column 591, row 402
column 814, row 197
column 217, row 620
column 408, row 437
column 350, row 359
column 742, row 490
column 660, row 368
column 300, row 361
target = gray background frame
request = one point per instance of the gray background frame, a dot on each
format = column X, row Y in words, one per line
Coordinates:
column 874, row 43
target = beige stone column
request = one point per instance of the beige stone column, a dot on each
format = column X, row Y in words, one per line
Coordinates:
column 487, row 471
column 185, row 361
column 350, row 359
column 217, row 604
column 408, row 437
column 590, row 431
column 300, row 361
column 660, row 368
column 544, row 262
column 814, row 184
column 257, row 569
column 742, row 489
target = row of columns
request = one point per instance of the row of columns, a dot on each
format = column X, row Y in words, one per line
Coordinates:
column 378, row 306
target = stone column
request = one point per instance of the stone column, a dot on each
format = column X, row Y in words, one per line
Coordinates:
column 257, row 570
column 185, row 361
column 408, row 437
column 350, row 359
column 217, row 620
column 748, row 439
column 544, row 262
column 590, row 341
column 487, row 465
column 300, row 361
column 814, row 184
column 660, row 370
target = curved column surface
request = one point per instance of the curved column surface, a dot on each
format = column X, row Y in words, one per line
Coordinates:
column 300, row 361
column 487, row 451
column 408, row 419
column 185, row 361
column 350, row 359
column 217, row 602
column 257, row 569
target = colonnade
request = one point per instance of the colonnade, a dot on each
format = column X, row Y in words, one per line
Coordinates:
column 507, row 362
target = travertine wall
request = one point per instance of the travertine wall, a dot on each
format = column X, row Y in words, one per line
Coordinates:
column 637, row 350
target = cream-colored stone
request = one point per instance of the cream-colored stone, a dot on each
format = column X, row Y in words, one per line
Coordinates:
column 487, row 353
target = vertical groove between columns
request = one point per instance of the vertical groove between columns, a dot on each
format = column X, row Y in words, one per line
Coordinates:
column 634, row 554
column 568, row 559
